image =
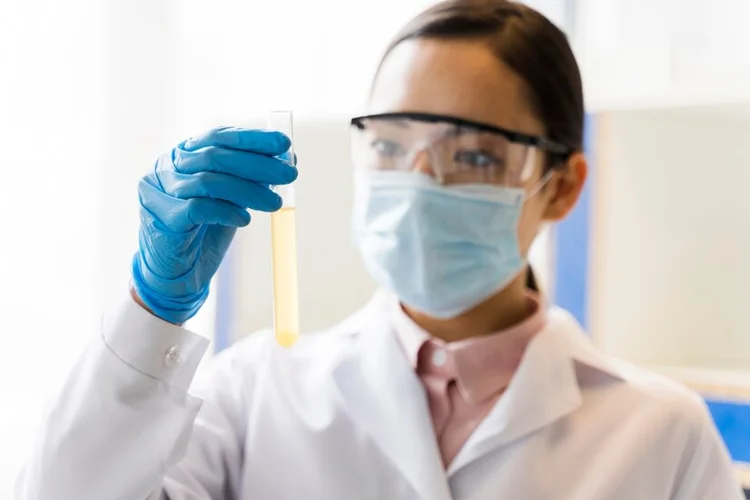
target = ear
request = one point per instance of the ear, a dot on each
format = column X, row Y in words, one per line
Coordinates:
column 565, row 187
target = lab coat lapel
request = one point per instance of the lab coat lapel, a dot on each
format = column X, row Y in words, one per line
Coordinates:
column 544, row 389
column 383, row 394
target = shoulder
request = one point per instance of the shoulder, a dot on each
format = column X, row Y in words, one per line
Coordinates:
column 652, row 413
column 650, row 394
column 673, row 424
column 676, row 402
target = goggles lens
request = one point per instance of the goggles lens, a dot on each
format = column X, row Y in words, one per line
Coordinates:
column 454, row 153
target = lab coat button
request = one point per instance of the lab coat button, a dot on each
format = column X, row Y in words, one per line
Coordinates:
column 439, row 357
column 172, row 356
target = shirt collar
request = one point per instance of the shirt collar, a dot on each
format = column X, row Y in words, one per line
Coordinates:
column 484, row 365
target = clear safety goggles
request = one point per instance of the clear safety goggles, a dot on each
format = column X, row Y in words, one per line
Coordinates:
column 453, row 150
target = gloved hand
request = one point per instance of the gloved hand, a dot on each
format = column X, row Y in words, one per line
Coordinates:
column 191, row 205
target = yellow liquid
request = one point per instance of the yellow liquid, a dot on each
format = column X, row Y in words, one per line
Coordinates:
column 285, row 292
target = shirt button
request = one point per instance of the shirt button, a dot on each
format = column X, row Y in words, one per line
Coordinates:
column 439, row 357
column 172, row 357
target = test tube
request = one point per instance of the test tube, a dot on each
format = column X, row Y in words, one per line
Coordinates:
column 284, row 249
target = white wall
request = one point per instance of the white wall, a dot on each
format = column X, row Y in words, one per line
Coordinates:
column 683, row 51
column 670, row 284
column 50, row 95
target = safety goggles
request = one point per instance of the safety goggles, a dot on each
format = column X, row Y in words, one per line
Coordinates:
column 453, row 150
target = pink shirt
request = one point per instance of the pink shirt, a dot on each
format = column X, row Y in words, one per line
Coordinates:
column 464, row 379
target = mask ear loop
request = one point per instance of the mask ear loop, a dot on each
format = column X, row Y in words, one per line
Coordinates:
column 539, row 185
column 528, row 169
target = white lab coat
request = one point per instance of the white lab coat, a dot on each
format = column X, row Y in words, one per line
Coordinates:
column 343, row 416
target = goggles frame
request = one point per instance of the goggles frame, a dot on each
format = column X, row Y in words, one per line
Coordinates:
column 536, row 141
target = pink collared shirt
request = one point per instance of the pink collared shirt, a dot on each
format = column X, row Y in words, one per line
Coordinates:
column 464, row 379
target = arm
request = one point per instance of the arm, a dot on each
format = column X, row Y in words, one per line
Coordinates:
column 709, row 474
column 124, row 426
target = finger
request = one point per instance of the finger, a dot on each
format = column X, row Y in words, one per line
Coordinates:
column 180, row 215
column 267, row 142
column 239, row 192
column 208, row 211
column 251, row 166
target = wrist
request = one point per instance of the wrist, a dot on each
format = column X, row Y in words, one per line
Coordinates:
column 175, row 310
column 138, row 300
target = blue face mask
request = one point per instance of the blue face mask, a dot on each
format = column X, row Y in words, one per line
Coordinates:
column 441, row 250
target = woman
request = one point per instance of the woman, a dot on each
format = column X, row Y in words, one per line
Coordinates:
column 456, row 381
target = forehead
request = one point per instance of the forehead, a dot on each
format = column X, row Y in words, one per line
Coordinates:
column 451, row 77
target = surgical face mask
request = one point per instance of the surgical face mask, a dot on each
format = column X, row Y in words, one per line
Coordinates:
column 441, row 250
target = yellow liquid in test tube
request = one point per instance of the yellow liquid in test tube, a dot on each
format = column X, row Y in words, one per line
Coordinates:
column 284, row 251
column 285, row 292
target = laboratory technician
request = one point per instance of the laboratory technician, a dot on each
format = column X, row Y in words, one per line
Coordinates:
column 456, row 381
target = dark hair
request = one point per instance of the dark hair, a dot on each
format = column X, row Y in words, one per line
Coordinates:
column 528, row 43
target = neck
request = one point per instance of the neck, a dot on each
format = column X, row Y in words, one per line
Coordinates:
column 506, row 308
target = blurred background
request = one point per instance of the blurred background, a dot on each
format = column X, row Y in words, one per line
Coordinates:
column 655, row 260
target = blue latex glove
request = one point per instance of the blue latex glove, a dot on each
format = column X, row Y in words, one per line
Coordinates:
column 192, row 204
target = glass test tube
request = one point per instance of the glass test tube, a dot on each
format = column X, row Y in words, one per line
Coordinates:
column 284, row 249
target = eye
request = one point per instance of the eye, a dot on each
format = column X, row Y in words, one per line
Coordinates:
column 384, row 147
column 477, row 159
